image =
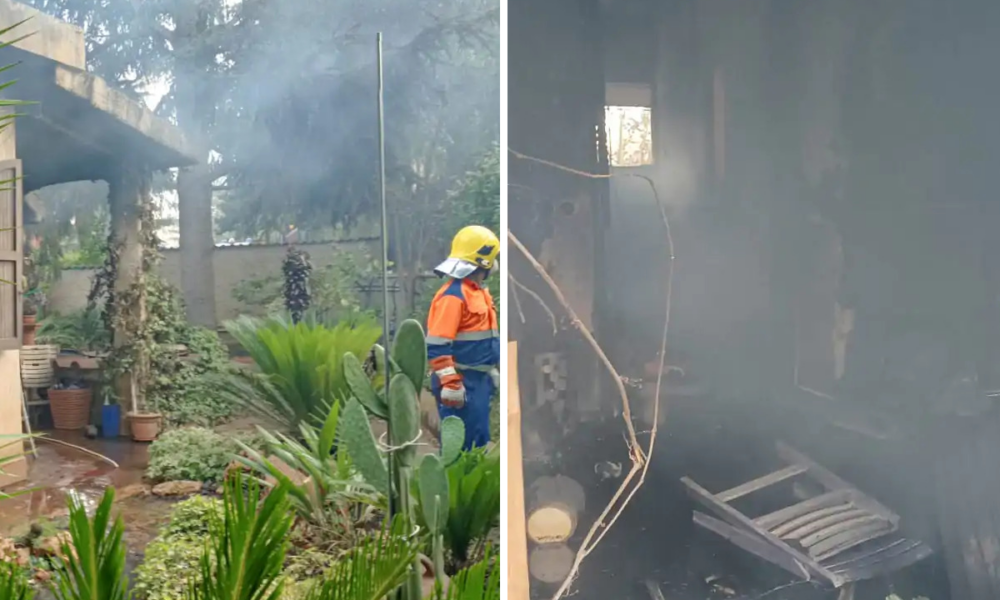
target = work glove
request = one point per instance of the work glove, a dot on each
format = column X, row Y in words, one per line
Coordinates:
column 453, row 397
column 495, row 376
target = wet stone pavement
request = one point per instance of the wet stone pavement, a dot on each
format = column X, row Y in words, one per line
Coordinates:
column 57, row 471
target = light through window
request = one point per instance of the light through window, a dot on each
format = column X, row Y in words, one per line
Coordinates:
column 630, row 135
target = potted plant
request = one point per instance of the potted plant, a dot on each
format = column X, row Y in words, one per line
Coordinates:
column 144, row 424
column 69, row 401
column 33, row 302
column 81, row 332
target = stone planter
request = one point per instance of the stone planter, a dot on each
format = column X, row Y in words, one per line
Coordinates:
column 145, row 427
column 70, row 408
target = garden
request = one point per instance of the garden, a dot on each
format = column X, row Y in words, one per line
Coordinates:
column 291, row 470
column 328, row 487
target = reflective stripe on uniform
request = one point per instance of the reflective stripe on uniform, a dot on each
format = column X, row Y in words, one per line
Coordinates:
column 446, row 371
column 480, row 368
column 436, row 340
column 475, row 336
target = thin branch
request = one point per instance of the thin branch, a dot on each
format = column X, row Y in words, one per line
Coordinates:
column 517, row 302
column 640, row 463
column 527, row 290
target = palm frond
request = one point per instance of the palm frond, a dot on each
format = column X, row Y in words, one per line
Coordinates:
column 373, row 569
column 244, row 561
column 300, row 363
column 14, row 583
column 93, row 563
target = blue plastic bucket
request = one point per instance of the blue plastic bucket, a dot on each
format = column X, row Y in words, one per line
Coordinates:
column 111, row 418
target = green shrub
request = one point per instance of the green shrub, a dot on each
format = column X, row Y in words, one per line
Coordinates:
column 300, row 365
column 172, row 560
column 191, row 453
column 167, row 569
column 309, row 565
column 193, row 518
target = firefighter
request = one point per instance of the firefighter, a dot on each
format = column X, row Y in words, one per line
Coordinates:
column 463, row 334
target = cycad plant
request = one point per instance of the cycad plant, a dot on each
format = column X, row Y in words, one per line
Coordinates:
column 300, row 373
column 333, row 496
column 93, row 563
column 245, row 558
column 373, row 569
column 14, row 585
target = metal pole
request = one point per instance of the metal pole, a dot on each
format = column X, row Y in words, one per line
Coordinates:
column 385, row 253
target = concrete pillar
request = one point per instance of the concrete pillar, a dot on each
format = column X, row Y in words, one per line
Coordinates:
column 197, row 241
column 128, row 192
column 10, row 368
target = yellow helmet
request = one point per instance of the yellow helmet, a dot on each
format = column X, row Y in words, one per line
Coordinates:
column 473, row 247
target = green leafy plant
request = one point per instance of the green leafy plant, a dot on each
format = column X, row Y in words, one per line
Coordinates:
column 167, row 567
column 373, row 569
column 244, row 560
column 333, row 498
column 300, row 365
column 93, row 564
column 192, row 454
column 478, row 581
column 82, row 330
column 173, row 559
column 13, row 583
column 10, row 440
column 474, row 502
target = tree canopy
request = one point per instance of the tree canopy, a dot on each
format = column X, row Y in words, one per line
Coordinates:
column 283, row 96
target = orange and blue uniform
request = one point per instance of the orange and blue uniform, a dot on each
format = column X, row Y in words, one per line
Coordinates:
column 463, row 347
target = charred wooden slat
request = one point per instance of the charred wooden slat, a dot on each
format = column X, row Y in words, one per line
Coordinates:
column 833, row 482
column 895, row 557
column 841, row 542
column 753, row 544
column 785, row 530
column 858, row 521
column 863, row 556
column 761, row 483
column 779, row 517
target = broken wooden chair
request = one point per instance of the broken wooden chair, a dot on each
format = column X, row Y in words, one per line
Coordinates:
column 838, row 536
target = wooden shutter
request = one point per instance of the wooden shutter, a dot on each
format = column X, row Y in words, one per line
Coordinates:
column 11, row 254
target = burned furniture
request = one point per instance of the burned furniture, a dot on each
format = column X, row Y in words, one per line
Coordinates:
column 837, row 536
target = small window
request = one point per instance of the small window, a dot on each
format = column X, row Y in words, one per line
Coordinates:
column 628, row 118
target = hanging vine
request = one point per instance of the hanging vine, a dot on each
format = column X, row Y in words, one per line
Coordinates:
column 152, row 338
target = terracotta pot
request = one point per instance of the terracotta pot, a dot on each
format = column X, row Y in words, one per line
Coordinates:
column 145, row 426
column 70, row 408
column 30, row 326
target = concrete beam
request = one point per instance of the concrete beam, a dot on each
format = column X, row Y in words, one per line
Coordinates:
column 110, row 101
column 49, row 37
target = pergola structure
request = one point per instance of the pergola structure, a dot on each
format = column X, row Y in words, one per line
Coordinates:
column 77, row 129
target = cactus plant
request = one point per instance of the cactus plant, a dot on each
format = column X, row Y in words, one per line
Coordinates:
column 356, row 434
column 362, row 387
column 425, row 486
column 452, row 439
column 409, row 352
column 432, row 486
